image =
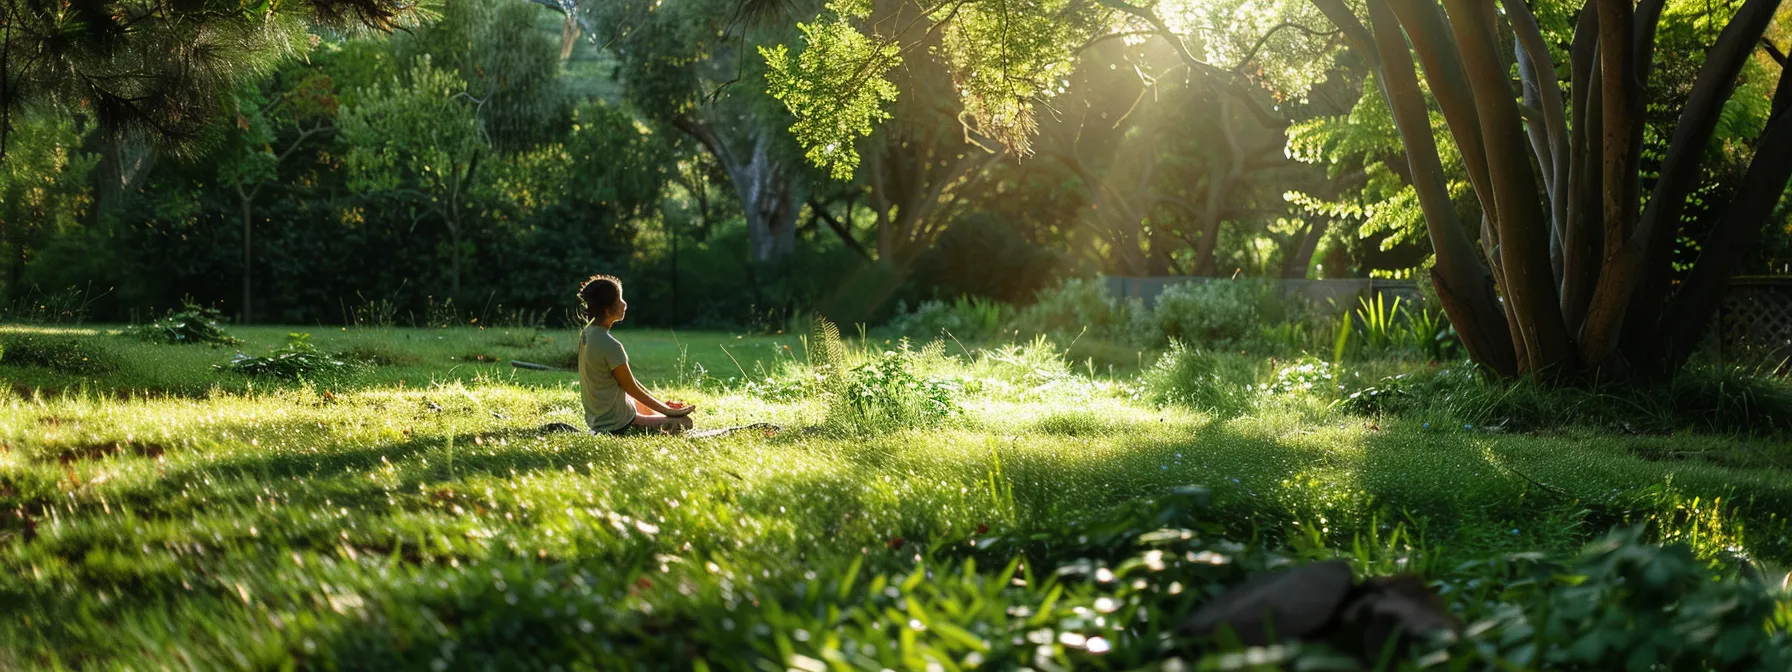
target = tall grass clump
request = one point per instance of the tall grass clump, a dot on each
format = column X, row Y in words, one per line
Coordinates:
column 1201, row 379
column 1037, row 364
column 372, row 314
column 1395, row 328
column 191, row 325
column 873, row 391
column 36, row 306
column 62, row 354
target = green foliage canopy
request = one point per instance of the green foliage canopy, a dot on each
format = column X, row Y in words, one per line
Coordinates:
column 835, row 87
column 157, row 68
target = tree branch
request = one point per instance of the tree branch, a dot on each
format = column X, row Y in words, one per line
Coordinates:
column 1523, row 237
column 1252, row 52
column 845, row 233
column 1733, row 240
column 1773, row 51
column 1441, row 56
column 1548, row 90
column 1681, row 167
column 1227, row 78
column 1353, row 29
column 1462, row 282
column 1648, row 17
column 1582, row 240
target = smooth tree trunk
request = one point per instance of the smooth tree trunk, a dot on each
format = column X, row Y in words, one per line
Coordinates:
column 769, row 198
column 1299, row 257
column 1221, row 179
column 1572, row 274
column 460, row 181
column 248, row 203
column 768, row 184
column 246, row 195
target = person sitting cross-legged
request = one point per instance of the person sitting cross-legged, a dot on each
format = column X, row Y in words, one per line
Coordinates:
column 614, row 400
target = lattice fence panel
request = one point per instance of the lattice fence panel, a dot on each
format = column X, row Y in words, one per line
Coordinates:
column 1755, row 319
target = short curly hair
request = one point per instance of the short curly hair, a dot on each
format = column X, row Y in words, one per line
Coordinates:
column 597, row 294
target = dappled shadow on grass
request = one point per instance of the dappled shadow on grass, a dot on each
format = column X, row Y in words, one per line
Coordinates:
column 1729, row 452
column 340, row 505
column 1080, row 423
column 1493, row 493
column 87, row 451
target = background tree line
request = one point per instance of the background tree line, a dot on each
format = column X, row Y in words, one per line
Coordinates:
column 493, row 152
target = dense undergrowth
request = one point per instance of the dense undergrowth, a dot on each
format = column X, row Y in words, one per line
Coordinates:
column 924, row 505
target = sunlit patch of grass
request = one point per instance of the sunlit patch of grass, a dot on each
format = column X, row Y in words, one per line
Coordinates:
column 293, row 519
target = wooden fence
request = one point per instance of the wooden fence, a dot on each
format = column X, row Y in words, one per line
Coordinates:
column 1754, row 321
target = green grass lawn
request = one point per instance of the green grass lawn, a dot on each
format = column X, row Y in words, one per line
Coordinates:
column 398, row 357
column 406, row 512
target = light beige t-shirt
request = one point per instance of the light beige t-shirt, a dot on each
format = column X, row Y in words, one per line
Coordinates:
column 607, row 406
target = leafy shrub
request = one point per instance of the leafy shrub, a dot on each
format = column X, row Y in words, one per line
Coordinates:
column 1076, row 305
column 1432, row 335
column 1107, row 591
column 885, row 391
column 1202, row 380
column 879, row 391
column 1308, row 375
column 297, row 359
column 62, row 354
column 1608, row 610
column 1605, row 609
column 191, row 325
column 783, row 388
column 1287, row 336
column 969, row 318
column 1378, row 321
column 1224, row 314
column 1036, row 370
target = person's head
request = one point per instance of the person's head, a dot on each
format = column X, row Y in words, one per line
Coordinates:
column 600, row 299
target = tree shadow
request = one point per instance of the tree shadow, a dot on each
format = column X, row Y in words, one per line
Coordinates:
column 1521, row 492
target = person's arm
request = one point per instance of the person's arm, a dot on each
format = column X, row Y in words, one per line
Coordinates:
column 626, row 379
